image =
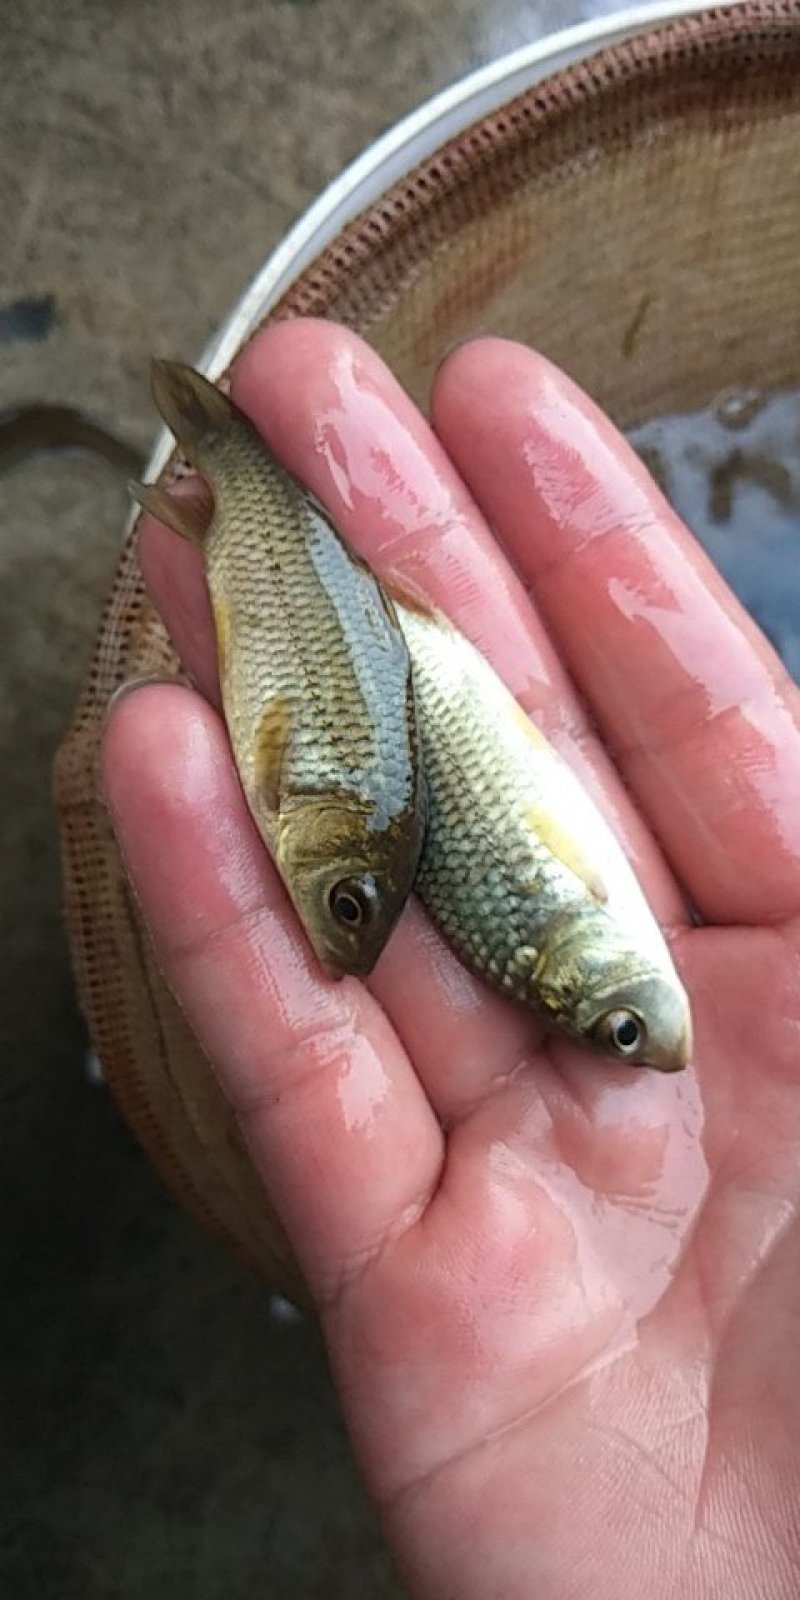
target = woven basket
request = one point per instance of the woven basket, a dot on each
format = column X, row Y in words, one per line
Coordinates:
column 636, row 218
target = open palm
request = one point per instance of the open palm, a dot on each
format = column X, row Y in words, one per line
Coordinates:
column 561, row 1298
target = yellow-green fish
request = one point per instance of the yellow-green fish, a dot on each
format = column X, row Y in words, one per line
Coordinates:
column 315, row 678
column 523, row 874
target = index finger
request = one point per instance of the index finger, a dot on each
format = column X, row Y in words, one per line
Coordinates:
column 702, row 718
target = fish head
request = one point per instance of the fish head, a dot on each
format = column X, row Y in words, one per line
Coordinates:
column 642, row 1020
column 348, row 879
column 621, row 999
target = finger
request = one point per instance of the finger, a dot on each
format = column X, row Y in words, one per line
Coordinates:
column 336, row 1120
column 464, row 1039
column 700, row 714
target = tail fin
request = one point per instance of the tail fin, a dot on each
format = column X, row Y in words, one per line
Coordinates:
column 195, row 411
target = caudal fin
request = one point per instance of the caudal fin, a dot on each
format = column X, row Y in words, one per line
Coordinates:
column 195, row 411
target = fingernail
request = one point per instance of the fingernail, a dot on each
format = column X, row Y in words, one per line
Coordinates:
column 142, row 681
column 458, row 344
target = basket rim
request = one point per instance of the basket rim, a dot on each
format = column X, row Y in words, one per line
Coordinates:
column 396, row 153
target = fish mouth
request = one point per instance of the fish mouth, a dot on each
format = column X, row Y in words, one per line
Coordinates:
column 674, row 1057
column 348, row 963
column 687, row 1043
column 357, row 968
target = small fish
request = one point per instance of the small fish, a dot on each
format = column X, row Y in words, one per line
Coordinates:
column 523, row 874
column 315, row 677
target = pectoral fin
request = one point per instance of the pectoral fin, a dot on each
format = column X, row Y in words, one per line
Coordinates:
column 271, row 748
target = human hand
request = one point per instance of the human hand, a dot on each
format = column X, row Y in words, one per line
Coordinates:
column 560, row 1297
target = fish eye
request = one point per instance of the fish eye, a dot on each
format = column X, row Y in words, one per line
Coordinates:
column 621, row 1032
column 353, row 900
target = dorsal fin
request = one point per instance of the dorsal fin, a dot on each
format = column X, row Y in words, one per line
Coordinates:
column 413, row 600
column 566, row 849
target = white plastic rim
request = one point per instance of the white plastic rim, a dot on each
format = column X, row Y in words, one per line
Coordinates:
column 401, row 149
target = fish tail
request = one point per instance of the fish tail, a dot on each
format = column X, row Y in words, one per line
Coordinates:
column 195, row 410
